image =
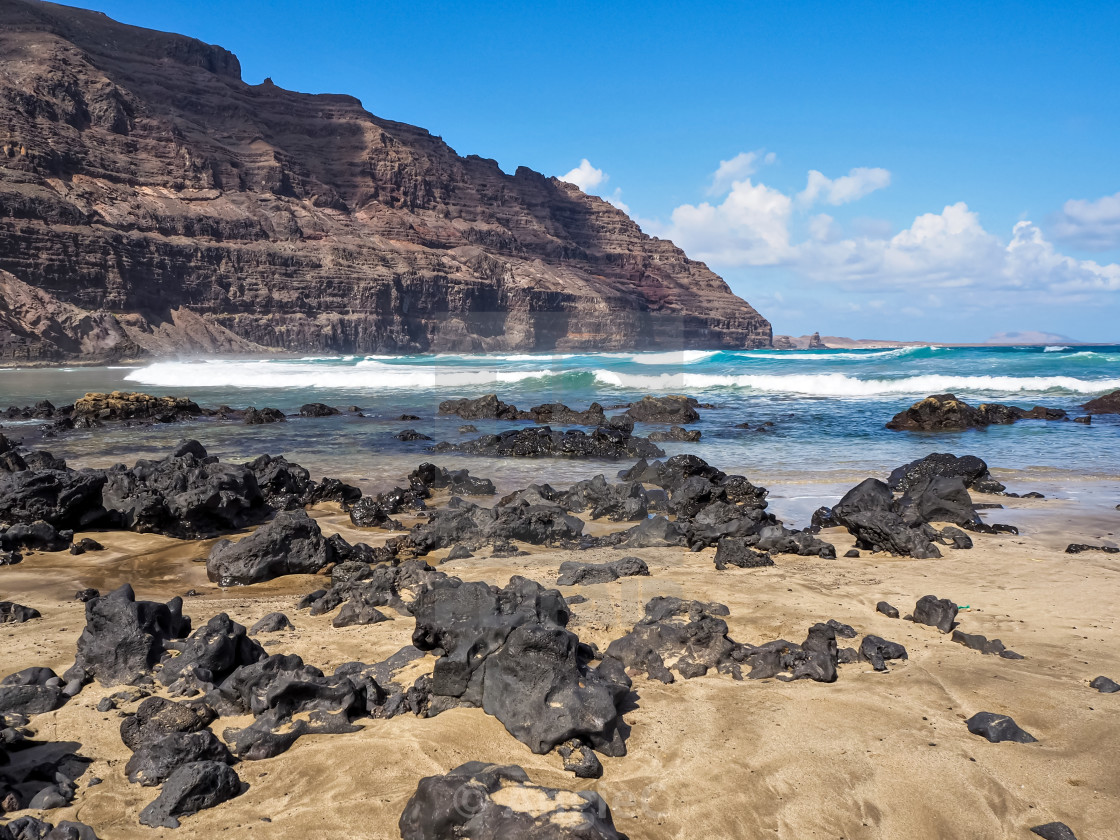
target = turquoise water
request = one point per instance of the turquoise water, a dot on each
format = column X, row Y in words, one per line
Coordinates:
column 828, row 407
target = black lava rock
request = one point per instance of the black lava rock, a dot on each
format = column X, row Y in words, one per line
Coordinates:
column 192, row 788
column 1104, row 685
column 1054, row 831
column 459, row 804
column 940, row 613
column 272, row 623
column 997, row 728
column 886, row 609
column 290, row 544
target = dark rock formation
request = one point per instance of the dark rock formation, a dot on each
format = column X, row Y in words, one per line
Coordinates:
column 624, row 502
column 671, row 409
column 36, row 536
column 409, row 435
column 350, row 233
column 274, row 622
column 209, row 654
column 574, row 573
column 1107, row 404
column 816, row 658
column 86, row 544
column 157, row 718
column 459, row 804
column 1078, row 548
column 992, row 647
column 970, row 469
column 152, row 763
column 37, row 775
column 487, row 407
column 886, row 609
column 291, row 544
column 877, row 651
column 457, row 482
column 1104, row 685
column 124, row 638
column 32, row 828
column 734, row 551
column 935, row 491
column 997, row 728
column 258, row 417
column 13, row 613
column 936, row 612
column 192, row 788
column 603, row 443
column 290, row 699
column 868, row 512
column 317, row 410
column 187, row 494
column 465, row 523
column 508, row 651
column 946, row 413
column 690, row 634
column 32, row 691
column 1054, row 831
column 676, row 433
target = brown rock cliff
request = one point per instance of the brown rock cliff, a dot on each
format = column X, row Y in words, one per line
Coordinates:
column 140, row 177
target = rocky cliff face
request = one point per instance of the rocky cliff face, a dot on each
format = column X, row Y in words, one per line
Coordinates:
column 139, row 175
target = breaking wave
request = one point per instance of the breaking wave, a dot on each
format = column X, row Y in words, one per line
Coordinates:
column 366, row 376
column 841, row 385
column 676, row 357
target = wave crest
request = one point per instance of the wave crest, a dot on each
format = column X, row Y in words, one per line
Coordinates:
column 841, row 385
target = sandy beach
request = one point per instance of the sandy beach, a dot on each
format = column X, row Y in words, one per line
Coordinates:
column 873, row 755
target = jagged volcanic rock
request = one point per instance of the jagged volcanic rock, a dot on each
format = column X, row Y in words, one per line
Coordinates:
column 461, row 803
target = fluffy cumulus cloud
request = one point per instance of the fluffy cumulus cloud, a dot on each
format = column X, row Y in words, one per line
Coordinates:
column 1093, row 225
column 855, row 185
column 586, row 177
column 749, row 227
column 755, row 225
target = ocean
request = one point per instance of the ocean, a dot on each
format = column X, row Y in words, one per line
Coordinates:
column 828, row 409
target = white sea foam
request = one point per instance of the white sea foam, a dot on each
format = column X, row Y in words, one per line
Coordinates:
column 1054, row 348
column 539, row 358
column 366, row 375
column 853, row 355
column 840, row 385
column 675, row 357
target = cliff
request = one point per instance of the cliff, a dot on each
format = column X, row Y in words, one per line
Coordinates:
column 141, row 177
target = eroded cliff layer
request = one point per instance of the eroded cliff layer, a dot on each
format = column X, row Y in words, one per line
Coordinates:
column 140, row 175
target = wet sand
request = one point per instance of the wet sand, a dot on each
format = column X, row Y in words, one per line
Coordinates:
column 871, row 756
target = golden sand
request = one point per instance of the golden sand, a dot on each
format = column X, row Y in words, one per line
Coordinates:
column 873, row 755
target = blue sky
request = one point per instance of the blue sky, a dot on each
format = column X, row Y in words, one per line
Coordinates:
column 967, row 183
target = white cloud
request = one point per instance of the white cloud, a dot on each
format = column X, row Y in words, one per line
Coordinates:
column 947, row 249
column 858, row 183
column 743, row 165
column 750, row 227
column 586, row 177
column 1033, row 262
column 1093, row 225
column 823, row 228
column 951, row 250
